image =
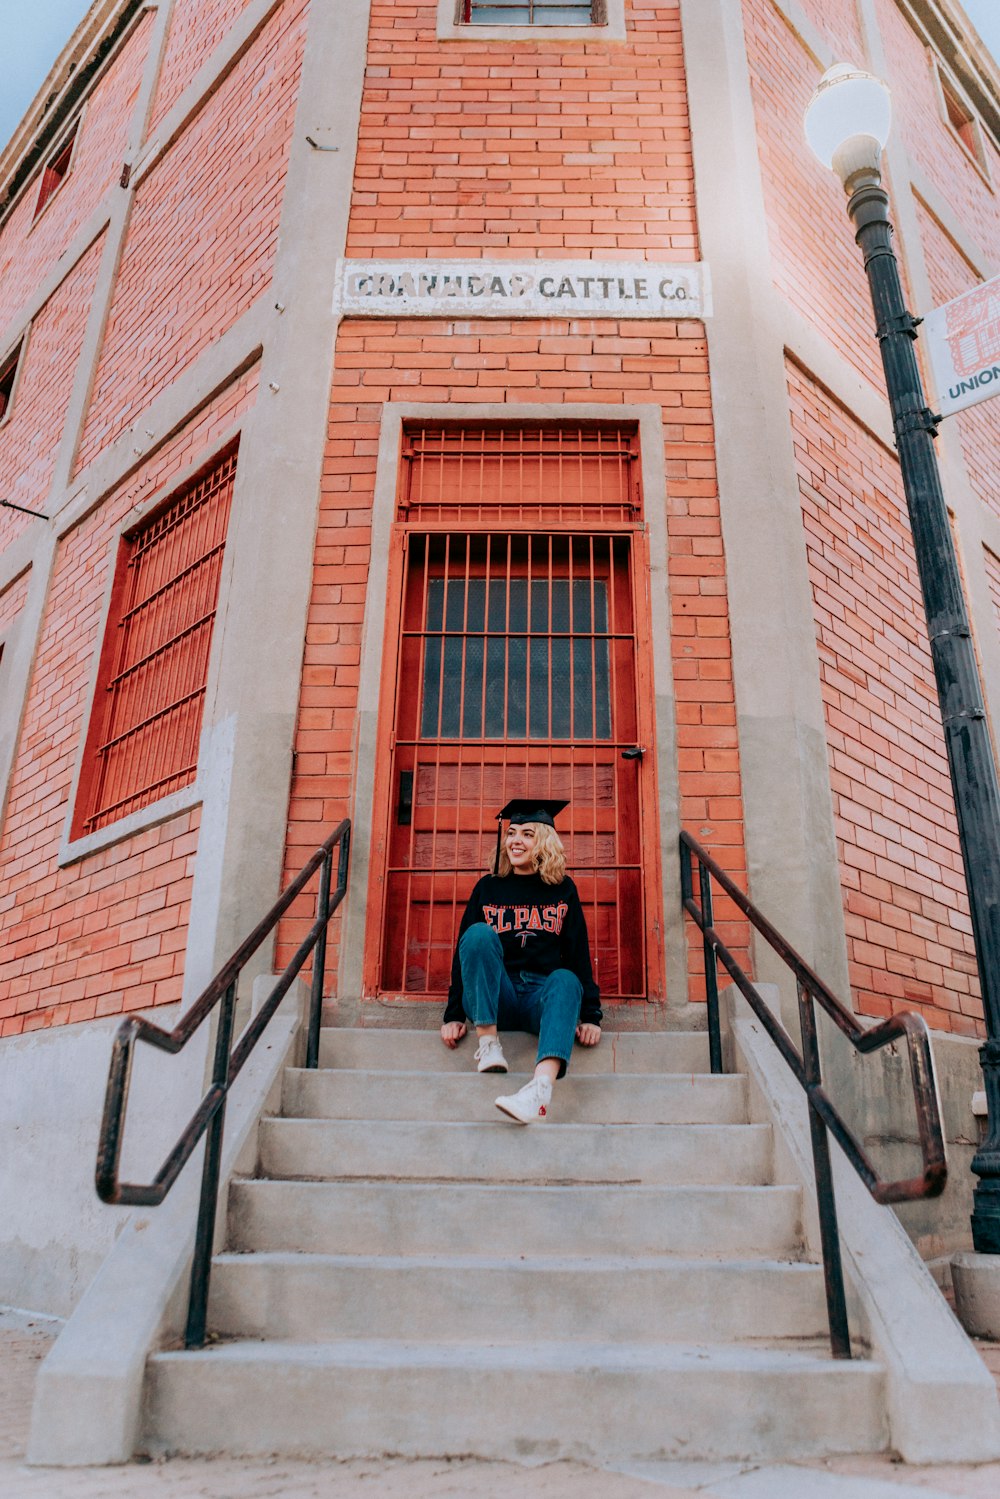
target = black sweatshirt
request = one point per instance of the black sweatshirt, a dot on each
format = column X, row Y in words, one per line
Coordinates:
column 541, row 927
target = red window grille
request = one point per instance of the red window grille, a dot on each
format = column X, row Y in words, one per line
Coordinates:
column 154, row 666
column 55, row 170
column 521, row 475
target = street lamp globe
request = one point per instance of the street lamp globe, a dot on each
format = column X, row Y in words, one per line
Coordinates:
column 848, row 119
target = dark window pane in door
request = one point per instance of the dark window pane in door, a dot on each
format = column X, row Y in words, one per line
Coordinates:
column 496, row 688
column 451, row 687
column 538, row 687
column 517, row 687
column 472, row 715
column 518, row 604
column 583, row 696
column 431, row 688
column 562, row 708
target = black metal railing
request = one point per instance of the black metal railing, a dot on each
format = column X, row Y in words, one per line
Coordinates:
column 209, row 1117
column 823, row 1117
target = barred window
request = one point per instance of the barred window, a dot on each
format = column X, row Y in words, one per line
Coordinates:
column 533, row 13
column 143, row 740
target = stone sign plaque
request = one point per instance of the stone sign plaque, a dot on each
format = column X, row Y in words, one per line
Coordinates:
column 512, row 289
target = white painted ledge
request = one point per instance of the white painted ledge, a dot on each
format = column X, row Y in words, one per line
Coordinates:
column 88, row 1397
column 976, row 1278
column 73, row 849
column 941, row 1399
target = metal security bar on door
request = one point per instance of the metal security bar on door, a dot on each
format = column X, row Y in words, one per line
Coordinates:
column 517, row 674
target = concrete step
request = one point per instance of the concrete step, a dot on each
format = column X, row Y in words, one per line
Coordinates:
column 306, row 1298
column 675, row 1154
column 422, row 1051
column 360, row 1217
column 596, row 1402
column 599, row 1098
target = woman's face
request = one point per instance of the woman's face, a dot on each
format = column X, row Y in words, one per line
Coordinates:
column 520, row 845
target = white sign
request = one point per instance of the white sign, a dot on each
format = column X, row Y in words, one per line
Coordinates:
column 532, row 288
column 963, row 338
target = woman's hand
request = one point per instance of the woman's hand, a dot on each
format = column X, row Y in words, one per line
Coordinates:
column 453, row 1032
column 588, row 1035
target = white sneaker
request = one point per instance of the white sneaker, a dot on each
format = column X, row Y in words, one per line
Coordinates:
column 490, row 1055
column 531, row 1103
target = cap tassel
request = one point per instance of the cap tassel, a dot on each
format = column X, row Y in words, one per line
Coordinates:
column 496, row 858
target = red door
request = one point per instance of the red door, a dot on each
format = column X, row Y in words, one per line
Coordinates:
column 517, row 674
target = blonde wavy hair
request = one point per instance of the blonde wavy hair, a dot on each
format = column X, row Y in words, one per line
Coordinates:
column 549, row 854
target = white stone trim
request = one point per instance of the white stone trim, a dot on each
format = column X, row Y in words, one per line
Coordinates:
column 940, row 1400
column 152, row 816
column 944, row 81
column 19, row 346
column 88, row 1397
column 649, row 421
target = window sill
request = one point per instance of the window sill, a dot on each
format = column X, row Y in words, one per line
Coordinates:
column 450, row 30
column 71, row 851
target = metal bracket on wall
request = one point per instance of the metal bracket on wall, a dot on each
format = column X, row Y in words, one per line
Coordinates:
column 9, row 505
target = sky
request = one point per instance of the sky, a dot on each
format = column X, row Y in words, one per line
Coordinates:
column 35, row 32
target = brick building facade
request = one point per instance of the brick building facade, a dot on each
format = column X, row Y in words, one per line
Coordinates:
column 255, row 500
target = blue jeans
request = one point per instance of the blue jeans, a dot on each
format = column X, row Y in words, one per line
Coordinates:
column 546, row 1004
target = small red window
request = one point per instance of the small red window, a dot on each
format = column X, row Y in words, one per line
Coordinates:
column 963, row 122
column 8, row 379
column 56, row 170
column 143, row 739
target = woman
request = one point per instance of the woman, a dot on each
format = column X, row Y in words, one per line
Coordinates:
column 523, row 959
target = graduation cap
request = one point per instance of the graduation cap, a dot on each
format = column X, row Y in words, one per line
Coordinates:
column 526, row 809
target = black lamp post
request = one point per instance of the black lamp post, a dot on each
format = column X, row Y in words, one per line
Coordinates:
column 847, row 125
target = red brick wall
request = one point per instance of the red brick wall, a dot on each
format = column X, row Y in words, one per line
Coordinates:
column 547, row 149
column 840, row 24
column 106, row 934
column 475, row 147
column 521, row 361
column 196, row 28
column 993, row 577
column 908, row 927
column 929, row 139
column 950, row 275
column 28, row 248
column 29, row 439
column 12, row 600
column 820, row 271
column 201, row 244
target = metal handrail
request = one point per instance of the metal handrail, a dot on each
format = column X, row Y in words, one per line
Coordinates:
column 209, row 1117
column 823, row 1116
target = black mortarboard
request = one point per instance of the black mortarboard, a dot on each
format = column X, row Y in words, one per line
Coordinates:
column 526, row 809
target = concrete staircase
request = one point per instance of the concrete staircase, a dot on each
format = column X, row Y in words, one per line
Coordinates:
column 411, row 1273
